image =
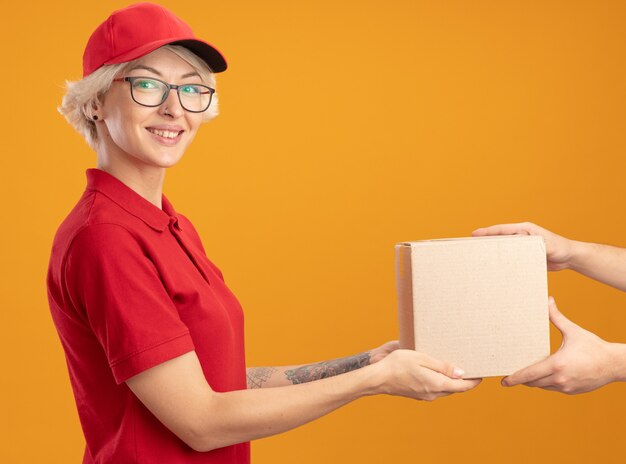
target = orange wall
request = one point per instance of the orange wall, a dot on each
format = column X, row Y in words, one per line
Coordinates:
column 346, row 126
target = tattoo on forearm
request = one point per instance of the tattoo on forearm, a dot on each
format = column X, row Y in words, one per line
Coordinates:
column 325, row 369
column 257, row 376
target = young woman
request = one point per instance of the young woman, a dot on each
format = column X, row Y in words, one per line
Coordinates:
column 152, row 335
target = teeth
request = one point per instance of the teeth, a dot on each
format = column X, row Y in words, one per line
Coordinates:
column 164, row 133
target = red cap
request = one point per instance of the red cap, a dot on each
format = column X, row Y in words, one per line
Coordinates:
column 135, row 31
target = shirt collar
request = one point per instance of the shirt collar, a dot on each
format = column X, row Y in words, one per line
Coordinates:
column 131, row 201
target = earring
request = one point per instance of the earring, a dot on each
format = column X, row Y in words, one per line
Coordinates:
column 95, row 117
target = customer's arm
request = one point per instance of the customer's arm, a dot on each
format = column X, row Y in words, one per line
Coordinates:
column 604, row 263
column 278, row 376
column 177, row 393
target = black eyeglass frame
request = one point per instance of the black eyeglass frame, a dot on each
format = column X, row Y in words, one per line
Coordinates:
column 176, row 87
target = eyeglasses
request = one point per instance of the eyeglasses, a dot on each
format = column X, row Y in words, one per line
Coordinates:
column 148, row 91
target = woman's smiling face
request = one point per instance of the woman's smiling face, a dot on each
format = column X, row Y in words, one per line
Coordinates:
column 157, row 136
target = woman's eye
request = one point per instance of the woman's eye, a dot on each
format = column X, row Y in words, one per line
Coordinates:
column 191, row 89
column 146, row 84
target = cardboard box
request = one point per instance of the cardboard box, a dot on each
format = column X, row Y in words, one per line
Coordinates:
column 480, row 303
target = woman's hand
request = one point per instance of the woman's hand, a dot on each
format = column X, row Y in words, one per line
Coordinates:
column 583, row 363
column 380, row 353
column 416, row 375
column 559, row 250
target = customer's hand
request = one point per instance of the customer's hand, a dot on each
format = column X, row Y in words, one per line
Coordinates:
column 583, row 363
column 559, row 249
column 416, row 375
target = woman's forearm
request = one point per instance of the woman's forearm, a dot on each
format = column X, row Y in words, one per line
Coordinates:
column 263, row 377
column 604, row 263
column 239, row 416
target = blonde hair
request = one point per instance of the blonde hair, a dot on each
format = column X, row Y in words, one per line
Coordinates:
column 83, row 95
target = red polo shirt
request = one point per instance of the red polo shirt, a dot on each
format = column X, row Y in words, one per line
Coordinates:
column 130, row 287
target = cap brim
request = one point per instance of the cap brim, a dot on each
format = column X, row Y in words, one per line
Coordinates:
column 208, row 53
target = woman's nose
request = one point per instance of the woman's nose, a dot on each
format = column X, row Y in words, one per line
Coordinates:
column 171, row 106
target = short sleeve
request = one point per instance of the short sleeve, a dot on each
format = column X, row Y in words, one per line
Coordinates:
column 117, row 289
